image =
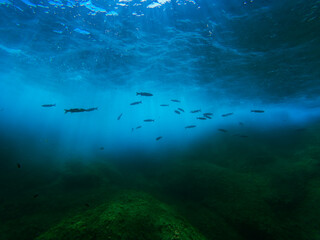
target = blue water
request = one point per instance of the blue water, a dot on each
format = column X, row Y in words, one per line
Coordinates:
column 216, row 56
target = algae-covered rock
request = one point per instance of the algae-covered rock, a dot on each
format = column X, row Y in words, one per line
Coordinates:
column 131, row 215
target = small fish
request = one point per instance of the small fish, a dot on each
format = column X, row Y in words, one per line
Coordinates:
column 190, row 126
column 35, row 196
column 226, row 114
column 148, row 120
column 48, row 105
column 181, row 109
column 207, row 114
column 138, row 127
column 144, row 94
column 201, row 118
column 119, row 117
column 18, row 165
column 175, row 100
column 101, row 148
column 164, row 105
column 195, row 111
column 241, row 123
column 222, row 130
column 257, row 111
column 176, row 111
column 76, row 110
column 158, row 138
column 87, row 204
column 135, row 103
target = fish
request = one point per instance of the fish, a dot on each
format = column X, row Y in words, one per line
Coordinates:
column 148, row 120
column 222, row 130
column 241, row 123
column 73, row 110
column 181, row 109
column 257, row 111
column 76, row 110
column 135, row 103
column 207, row 114
column 144, row 94
column 176, row 111
column 18, row 165
column 175, row 100
column 87, row 204
column 35, row 196
column 201, row 118
column 190, row 126
column 101, row 148
column 226, row 114
column 195, row 111
column 164, row 105
column 119, row 116
column 48, row 105
column 138, row 127
column 158, row 138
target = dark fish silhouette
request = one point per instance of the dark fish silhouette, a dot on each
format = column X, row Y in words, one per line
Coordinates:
column 164, row 105
column 119, row 116
column 243, row 136
column 181, row 109
column 144, row 94
column 195, row 111
column 222, row 130
column 201, row 118
column 226, row 114
column 148, row 120
column 76, row 110
column 48, row 105
column 207, row 114
column 175, row 100
column 176, row 111
column 135, row 103
column 35, row 196
column 158, row 138
column 18, row 165
column 138, row 127
column 101, row 148
column 257, row 111
column 241, row 123
column 190, row 126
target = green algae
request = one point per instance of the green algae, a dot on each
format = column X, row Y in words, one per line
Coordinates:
column 131, row 215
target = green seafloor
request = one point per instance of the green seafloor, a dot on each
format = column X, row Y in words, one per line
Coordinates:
column 265, row 187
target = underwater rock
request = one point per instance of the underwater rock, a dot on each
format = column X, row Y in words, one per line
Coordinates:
column 130, row 215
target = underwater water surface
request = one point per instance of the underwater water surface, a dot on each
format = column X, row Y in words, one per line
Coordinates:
column 167, row 119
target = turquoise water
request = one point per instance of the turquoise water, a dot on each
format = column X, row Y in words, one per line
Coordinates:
column 248, row 171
